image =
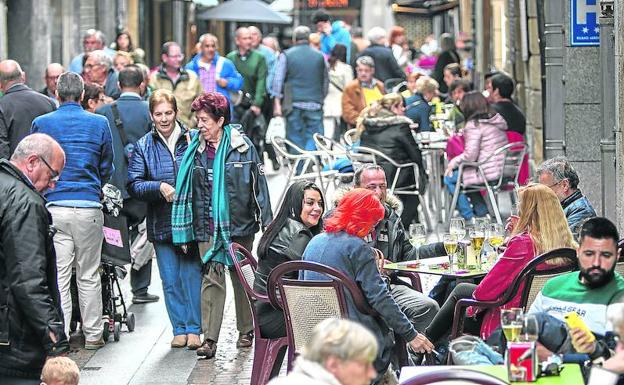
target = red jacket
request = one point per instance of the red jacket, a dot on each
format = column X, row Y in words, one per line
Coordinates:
column 520, row 251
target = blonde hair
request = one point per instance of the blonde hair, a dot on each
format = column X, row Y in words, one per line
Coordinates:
column 340, row 338
column 60, row 370
column 542, row 217
column 385, row 103
column 125, row 55
column 426, row 84
column 162, row 96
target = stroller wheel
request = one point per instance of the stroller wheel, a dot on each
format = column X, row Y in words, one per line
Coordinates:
column 116, row 331
column 130, row 321
column 106, row 333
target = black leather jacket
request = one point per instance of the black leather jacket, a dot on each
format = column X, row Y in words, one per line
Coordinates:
column 29, row 297
column 288, row 245
column 248, row 192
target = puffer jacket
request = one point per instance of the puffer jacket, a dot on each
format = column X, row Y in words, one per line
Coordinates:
column 391, row 134
column 248, row 192
column 577, row 209
column 150, row 164
column 482, row 138
column 29, row 296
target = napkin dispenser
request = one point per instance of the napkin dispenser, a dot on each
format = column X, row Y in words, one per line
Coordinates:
column 521, row 362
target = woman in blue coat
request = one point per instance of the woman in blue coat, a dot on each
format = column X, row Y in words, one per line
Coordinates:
column 152, row 172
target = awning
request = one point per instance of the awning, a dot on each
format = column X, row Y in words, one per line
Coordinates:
column 254, row 11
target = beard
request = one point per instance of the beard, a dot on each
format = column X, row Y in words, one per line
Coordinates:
column 596, row 277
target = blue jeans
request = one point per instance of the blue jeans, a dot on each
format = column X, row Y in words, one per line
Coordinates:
column 302, row 125
column 181, row 278
column 463, row 204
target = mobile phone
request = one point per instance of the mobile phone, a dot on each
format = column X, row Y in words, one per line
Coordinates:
column 573, row 320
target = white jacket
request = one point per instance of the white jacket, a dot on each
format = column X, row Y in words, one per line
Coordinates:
column 341, row 75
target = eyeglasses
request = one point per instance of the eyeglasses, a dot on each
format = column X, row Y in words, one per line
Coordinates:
column 54, row 175
column 554, row 184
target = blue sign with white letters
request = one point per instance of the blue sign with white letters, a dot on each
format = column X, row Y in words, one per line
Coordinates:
column 584, row 30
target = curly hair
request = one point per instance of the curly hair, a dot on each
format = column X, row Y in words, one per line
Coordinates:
column 213, row 103
column 357, row 213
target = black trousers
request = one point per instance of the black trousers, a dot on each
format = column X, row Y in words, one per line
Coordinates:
column 443, row 321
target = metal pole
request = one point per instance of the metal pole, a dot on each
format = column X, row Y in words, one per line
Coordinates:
column 607, row 143
column 4, row 50
column 178, row 22
column 554, row 126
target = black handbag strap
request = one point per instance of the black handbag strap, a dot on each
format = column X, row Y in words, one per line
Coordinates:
column 119, row 124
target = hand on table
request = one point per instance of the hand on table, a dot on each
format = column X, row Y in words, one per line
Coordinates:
column 421, row 344
column 582, row 341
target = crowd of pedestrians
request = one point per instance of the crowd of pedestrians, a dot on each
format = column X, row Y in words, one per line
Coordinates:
column 184, row 144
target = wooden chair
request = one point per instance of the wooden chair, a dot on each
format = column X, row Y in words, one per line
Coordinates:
column 265, row 349
column 307, row 302
column 531, row 277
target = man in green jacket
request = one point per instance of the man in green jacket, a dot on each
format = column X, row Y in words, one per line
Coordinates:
column 252, row 66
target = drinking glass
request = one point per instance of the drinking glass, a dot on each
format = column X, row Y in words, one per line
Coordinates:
column 511, row 322
column 530, row 328
column 477, row 236
column 458, row 227
column 418, row 236
column 450, row 245
column 496, row 236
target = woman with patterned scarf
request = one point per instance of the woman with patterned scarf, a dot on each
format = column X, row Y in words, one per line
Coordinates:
column 221, row 197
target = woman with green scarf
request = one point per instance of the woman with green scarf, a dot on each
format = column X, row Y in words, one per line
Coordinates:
column 221, row 197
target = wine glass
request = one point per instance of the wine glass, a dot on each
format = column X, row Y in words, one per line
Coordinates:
column 418, row 236
column 450, row 245
column 511, row 322
column 458, row 227
column 477, row 236
column 496, row 236
column 530, row 328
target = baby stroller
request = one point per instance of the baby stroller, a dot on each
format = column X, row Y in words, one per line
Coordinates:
column 115, row 254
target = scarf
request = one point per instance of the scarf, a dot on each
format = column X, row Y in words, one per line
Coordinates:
column 182, row 213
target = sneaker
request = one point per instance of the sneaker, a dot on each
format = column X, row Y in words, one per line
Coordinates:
column 208, row 349
column 94, row 345
column 192, row 341
column 145, row 298
column 178, row 341
column 245, row 340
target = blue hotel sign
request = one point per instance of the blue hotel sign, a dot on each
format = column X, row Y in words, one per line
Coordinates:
column 584, row 30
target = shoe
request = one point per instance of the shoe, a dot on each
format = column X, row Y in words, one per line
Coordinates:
column 208, row 349
column 145, row 298
column 192, row 341
column 178, row 341
column 245, row 340
column 94, row 345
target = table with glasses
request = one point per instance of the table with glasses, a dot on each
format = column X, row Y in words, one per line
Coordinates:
column 436, row 266
column 571, row 373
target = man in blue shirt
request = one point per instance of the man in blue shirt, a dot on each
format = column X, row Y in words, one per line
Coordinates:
column 75, row 203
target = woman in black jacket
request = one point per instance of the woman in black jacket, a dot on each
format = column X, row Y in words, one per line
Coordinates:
column 447, row 56
column 383, row 127
column 298, row 220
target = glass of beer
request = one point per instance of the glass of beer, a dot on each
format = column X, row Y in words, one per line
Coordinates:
column 495, row 235
column 512, row 323
column 477, row 237
column 450, row 245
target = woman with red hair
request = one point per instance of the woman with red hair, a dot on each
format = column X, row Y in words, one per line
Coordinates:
column 343, row 247
column 399, row 45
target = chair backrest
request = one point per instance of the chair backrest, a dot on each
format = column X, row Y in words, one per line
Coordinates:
column 464, row 376
column 328, row 145
column 512, row 161
column 306, row 302
column 349, row 137
column 245, row 265
column 535, row 278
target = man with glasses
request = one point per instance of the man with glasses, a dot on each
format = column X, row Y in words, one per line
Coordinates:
column 31, row 325
column 184, row 85
column 558, row 174
column 98, row 69
column 92, row 40
column 53, row 71
column 75, row 203
column 18, row 107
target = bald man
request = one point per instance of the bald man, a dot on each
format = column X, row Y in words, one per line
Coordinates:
column 19, row 106
column 53, row 71
column 32, row 326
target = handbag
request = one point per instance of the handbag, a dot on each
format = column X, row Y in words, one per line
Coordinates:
column 277, row 127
